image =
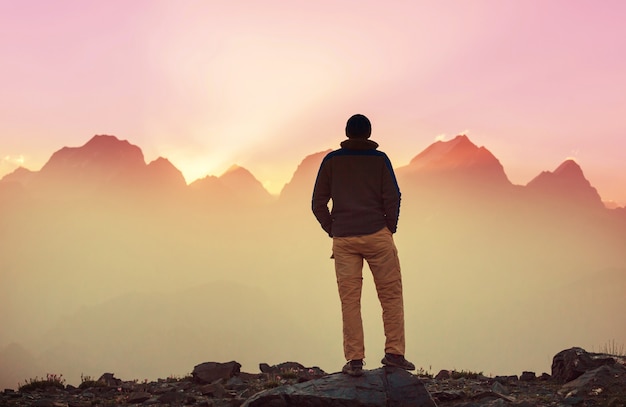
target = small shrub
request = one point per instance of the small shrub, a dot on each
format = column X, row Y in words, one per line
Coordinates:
column 274, row 380
column 51, row 381
column 421, row 372
column 176, row 379
column 613, row 349
column 86, row 382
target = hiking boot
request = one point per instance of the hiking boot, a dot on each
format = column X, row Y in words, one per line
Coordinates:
column 397, row 361
column 353, row 368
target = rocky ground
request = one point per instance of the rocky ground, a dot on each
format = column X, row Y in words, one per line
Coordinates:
column 578, row 379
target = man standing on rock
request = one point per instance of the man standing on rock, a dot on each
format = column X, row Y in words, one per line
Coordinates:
column 360, row 181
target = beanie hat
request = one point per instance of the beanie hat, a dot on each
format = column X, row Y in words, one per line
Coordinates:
column 358, row 126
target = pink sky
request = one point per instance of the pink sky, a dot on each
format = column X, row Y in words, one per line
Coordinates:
column 262, row 84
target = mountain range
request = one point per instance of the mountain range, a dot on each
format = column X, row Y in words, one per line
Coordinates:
column 105, row 164
column 109, row 263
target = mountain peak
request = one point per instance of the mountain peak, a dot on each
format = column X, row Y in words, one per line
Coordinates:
column 20, row 174
column 567, row 173
column 243, row 183
column 234, row 169
column 99, row 153
column 441, row 150
column 461, row 139
column 457, row 159
column 162, row 172
column 567, row 183
column 459, row 151
column 569, row 168
column 103, row 162
column 107, row 145
column 104, row 139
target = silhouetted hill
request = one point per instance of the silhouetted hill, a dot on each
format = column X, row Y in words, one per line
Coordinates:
column 103, row 156
column 455, row 163
column 162, row 174
column 102, row 162
column 20, row 175
column 106, row 167
column 567, row 185
column 446, row 171
column 237, row 186
column 300, row 187
column 245, row 186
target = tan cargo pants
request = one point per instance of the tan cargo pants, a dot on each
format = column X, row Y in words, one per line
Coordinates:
column 380, row 252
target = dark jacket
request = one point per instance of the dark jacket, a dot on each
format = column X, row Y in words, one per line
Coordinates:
column 360, row 181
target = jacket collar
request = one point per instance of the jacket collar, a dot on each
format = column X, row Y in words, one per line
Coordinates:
column 359, row 144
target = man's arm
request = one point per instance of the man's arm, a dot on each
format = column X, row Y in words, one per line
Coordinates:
column 391, row 197
column 321, row 196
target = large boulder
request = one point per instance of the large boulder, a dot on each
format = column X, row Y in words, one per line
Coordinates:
column 569, row 364
column 388, row 387
column 209, row 372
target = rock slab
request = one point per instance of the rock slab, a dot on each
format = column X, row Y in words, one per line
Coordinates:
column 383, row 387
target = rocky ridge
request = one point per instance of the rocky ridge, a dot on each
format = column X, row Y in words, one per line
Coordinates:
column 107, row 164
column 579, row 378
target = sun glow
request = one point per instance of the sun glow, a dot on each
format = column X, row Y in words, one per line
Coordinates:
column 198, row 167
column 17, row 160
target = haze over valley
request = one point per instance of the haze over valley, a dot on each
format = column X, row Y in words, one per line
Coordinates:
column 109, row 263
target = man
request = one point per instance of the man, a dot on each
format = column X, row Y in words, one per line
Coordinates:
column 360, row 181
